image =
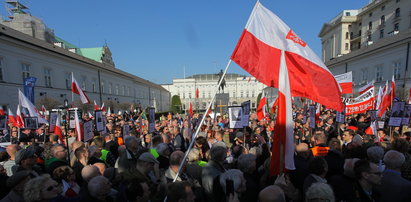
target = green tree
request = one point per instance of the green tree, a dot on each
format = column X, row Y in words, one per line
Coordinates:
column 176, row 104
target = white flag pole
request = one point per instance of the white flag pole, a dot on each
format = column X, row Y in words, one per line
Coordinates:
column 210, row 103
column 72, row 95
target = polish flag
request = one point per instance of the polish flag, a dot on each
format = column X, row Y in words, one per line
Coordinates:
column 259, row 50
column 190, row 110
column 12, row 118
column 392, row 88
column 75, row 88
column 102, row 107
column 109, row 111
column 197, row 93
column 1, row 111
column 274, row 104
column 44, row 110
column 366, row 87
column 380, row 95
column 345, row 82
column 385, row 101
column 19, row 118
column 57, row 130
column 270, row 51
column 90, row 115
column 77, row 125
column 96, row 107
column 33, row 112
column 261, row 107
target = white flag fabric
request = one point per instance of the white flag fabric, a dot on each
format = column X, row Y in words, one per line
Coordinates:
column 345, row 82
column 75, row 88
column 33, row 112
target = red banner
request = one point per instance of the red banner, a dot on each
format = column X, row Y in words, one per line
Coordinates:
column 359, row 107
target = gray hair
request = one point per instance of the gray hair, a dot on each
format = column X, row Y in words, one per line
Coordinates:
column 375, row 154
column 90, row 171
column 245, row 164
column 319, row 190
column 194, row 155
column 394, row 159
column 272, row 193
column 32, row 188
column 96, row 187
column 257, row 151
column 234, row 175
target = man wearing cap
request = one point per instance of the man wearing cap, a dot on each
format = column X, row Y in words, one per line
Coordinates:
column 145, row 164
column 26, row 160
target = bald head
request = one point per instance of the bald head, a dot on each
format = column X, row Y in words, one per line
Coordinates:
column 90, row 171
column 12, row 150
column 101, row 167
column 272, row 193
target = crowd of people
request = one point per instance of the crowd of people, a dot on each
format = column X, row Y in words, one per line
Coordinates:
column 334, row 161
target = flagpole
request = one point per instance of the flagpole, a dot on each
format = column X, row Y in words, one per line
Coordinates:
column 211, row 101
column 201, row 122
column 72, row 95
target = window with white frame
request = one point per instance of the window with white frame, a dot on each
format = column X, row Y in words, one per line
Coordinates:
column 102, row 86
column 378, row 73
column 67, row 80
column 124, row 90
column 110, row 88
column 117, row 89
column 397, row 69
column 364, row 75
column 128, row 91
column 25, row 70
column 47, row 77
column 94, row 86
column 1, row 69
column 83, row 83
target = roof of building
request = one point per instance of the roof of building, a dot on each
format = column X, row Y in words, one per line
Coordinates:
column 9, row 34
column 228, row 76
column 92, row 53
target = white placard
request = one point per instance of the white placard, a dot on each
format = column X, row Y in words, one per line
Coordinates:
column 88, row 130
column 235, row 114
column 99, row 121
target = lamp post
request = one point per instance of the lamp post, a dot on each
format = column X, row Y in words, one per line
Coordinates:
column 66, row 118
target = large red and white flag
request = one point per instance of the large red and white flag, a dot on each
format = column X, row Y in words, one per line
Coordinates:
column 259, row 50
column 392, row 87
column 12, row 118
column 363, row 89
column 33, row 112
column 19, row 118
column 345, row 82
column 75, row 88
column 270, row 51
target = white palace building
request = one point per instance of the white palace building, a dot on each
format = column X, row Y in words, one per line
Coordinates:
column 373, row 42
column 240, row 89
column 29, row 48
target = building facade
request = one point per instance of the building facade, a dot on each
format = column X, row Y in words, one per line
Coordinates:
column 373, row 42
column 29, row 49
column 240, row 89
